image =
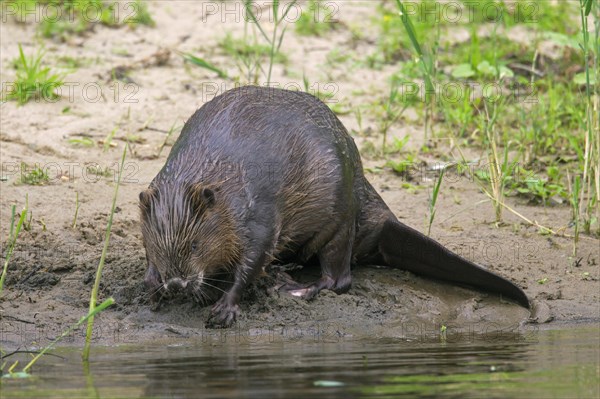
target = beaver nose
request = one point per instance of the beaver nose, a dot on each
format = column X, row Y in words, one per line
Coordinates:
column 175, row 284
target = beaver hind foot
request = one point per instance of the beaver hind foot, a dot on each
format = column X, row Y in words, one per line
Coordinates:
column 310, row 290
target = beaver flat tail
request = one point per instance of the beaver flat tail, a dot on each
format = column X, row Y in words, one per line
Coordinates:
column 405, row 248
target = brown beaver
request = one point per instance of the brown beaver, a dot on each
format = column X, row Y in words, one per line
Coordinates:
column 260, row 174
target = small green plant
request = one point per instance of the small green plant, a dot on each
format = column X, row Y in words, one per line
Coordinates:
column 97, row 170
column 96, row 287
column 63, row 18
column 426, row 60
column 315, row 89
column 403, row 168
column 27, row 221
column 250, row 55
column 192, row 59
column 108, row 140
column 68, row 17
column 68, row 62
column 141, row 15
column 82, row 141
column 21, row 9
column 484, row 64
column 358, row 114
column 590, row 185
column 392, row 43
column 34, row 80
column 539, row 189
column 313, row 21
column 336, row 57
column 391, row 110
column 276, row 38
column 498, row 168
column 526, row 183
column 460, row 116
column 12, row 241
column 35, row 176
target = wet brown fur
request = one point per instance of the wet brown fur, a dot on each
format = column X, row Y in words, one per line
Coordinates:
column 262, row 174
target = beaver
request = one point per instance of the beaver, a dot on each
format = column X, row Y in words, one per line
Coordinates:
column 261, row 174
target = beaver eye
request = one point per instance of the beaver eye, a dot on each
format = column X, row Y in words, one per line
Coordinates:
column 194, row 246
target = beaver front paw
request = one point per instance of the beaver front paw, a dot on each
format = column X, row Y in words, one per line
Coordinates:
column 222, row 315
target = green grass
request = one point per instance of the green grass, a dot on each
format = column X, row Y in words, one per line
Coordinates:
column 97, row 170
column 141, row 15
column 192, row 59
column 590, row 184
column 24, row 373
column 83, row 14
column 94, row 308
column 275, row 40
column 314, row 20
column 250, row 56
column 393, row 42
column 542, row 124
column 433, row 200
column 63, row 18
column 172, row 129
column 392, row 108
column 256, row 51
column 33, row 176
column 69, row 62
column 33, row 79
column 12, row 241
column 96, row 287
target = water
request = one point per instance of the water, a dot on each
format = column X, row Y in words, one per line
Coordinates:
column 540, row 364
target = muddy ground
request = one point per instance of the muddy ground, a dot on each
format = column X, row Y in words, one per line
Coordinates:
column 53, row 266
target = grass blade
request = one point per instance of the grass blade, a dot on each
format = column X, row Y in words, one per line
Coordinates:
column 289, row 6
column 94, row 295
column 434, row 197
column 253, row 17
column 12, row 241
column 410, row 29
column 85, row 318
column 587, row 7
column 203, row 64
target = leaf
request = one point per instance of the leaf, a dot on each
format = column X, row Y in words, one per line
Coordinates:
column 203, row 64
column 561, row 40
column 485, row 68
column 580, row 79
column 409, row 28
column 289, row 6
column 505, row 72
column 253, row 17
column 463, row 71
column 588, row 7
column 275, row 10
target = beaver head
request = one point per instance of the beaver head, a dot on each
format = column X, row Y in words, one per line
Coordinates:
column 189, row 237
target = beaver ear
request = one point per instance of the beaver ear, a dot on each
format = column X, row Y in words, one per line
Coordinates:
column 202, row 196
column 208, row 195
column 147, row 196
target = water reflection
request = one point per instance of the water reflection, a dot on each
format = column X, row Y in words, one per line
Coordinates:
column 555, row 364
